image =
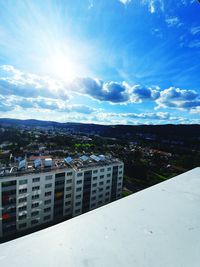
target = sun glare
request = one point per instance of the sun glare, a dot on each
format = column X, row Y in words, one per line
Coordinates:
column 63, row 67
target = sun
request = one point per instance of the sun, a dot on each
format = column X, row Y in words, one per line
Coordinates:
column 62, row 59
column 63, row 67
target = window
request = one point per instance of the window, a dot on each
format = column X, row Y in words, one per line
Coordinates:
column 69, row 174
column 94, row 185
column 48, row 201
column 49, row 177
column 5, row 184
column 120, row 172
column 78, row 196
column 61, row 174
column 100, row 202
column 11, row 209
column 107, row 193
column 69, row 188
column 107, row 187
column 59, row 182
column 78, row 210
column 47, row 209
column 78, row 189
column 109, row 169
column 21, row 182
column 119, row 178
column 35, row 196
column 108, row 181
column 37, row 179
column 101, row 170
column 68, row 195
column 35, row 205
column 118, row 195
column 101, row 183
column 119, row 184
column 35, row 221
column 100, row 189
column 48, row 185
column 100, row 196
column 34, row 188
column 94, row 198
column 79, row 182
column 48, row 217
column 107, row 199
column 23, row 199
column 79, row 174
column 22, row 191
column 119, row 190
column 67, row 210
column 22, row 225
column 78, row 204
column 94, row 191
column 108, row 174
column 69, row 181
column 95, row 171
column 94, row 178
column 22, row 208
column 22, row 217
column 101, row 176
column 93, row 205
column 48, row 193
column 120, row 167
column 34, row 213
column 67, row 203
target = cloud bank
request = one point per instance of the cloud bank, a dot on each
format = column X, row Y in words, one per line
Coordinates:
column 178, row 98
column 32, row 91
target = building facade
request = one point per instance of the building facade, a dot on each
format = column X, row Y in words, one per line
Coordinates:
column 30, row 199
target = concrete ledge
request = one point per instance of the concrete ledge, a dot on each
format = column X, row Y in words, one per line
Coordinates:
column 156, row 227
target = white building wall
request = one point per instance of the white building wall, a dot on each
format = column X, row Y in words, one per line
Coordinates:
column 35, row 215
column 120, row 180
column 43, row 197
column 68, row 192
column 78, row 192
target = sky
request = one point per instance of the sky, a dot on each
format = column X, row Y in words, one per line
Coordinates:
column 100, row 61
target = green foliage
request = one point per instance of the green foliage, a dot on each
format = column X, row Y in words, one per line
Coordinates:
column 126, row 193
column 83, row 145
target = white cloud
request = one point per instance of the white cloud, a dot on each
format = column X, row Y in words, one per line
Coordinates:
column 141, row 93
column 148, row 115
column 114, row 92
column 16, row 82
column 8, row 103
column 91, row 4
column 173, row 22
column 45, row 93
column 195, row 30
column 195, row 110
column 125, row 2
column 98, row 116
column 154, row 5
column 178, row 98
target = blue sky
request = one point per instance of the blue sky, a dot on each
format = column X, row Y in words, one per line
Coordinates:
column 100, row 61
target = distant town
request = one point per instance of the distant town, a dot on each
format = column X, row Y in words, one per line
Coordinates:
column 151, row 154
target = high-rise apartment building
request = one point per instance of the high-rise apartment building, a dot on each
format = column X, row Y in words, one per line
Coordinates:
column 46, row 191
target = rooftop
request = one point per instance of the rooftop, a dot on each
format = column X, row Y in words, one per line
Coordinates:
column 156, row 227
column 93, row 161
column 46, row 164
